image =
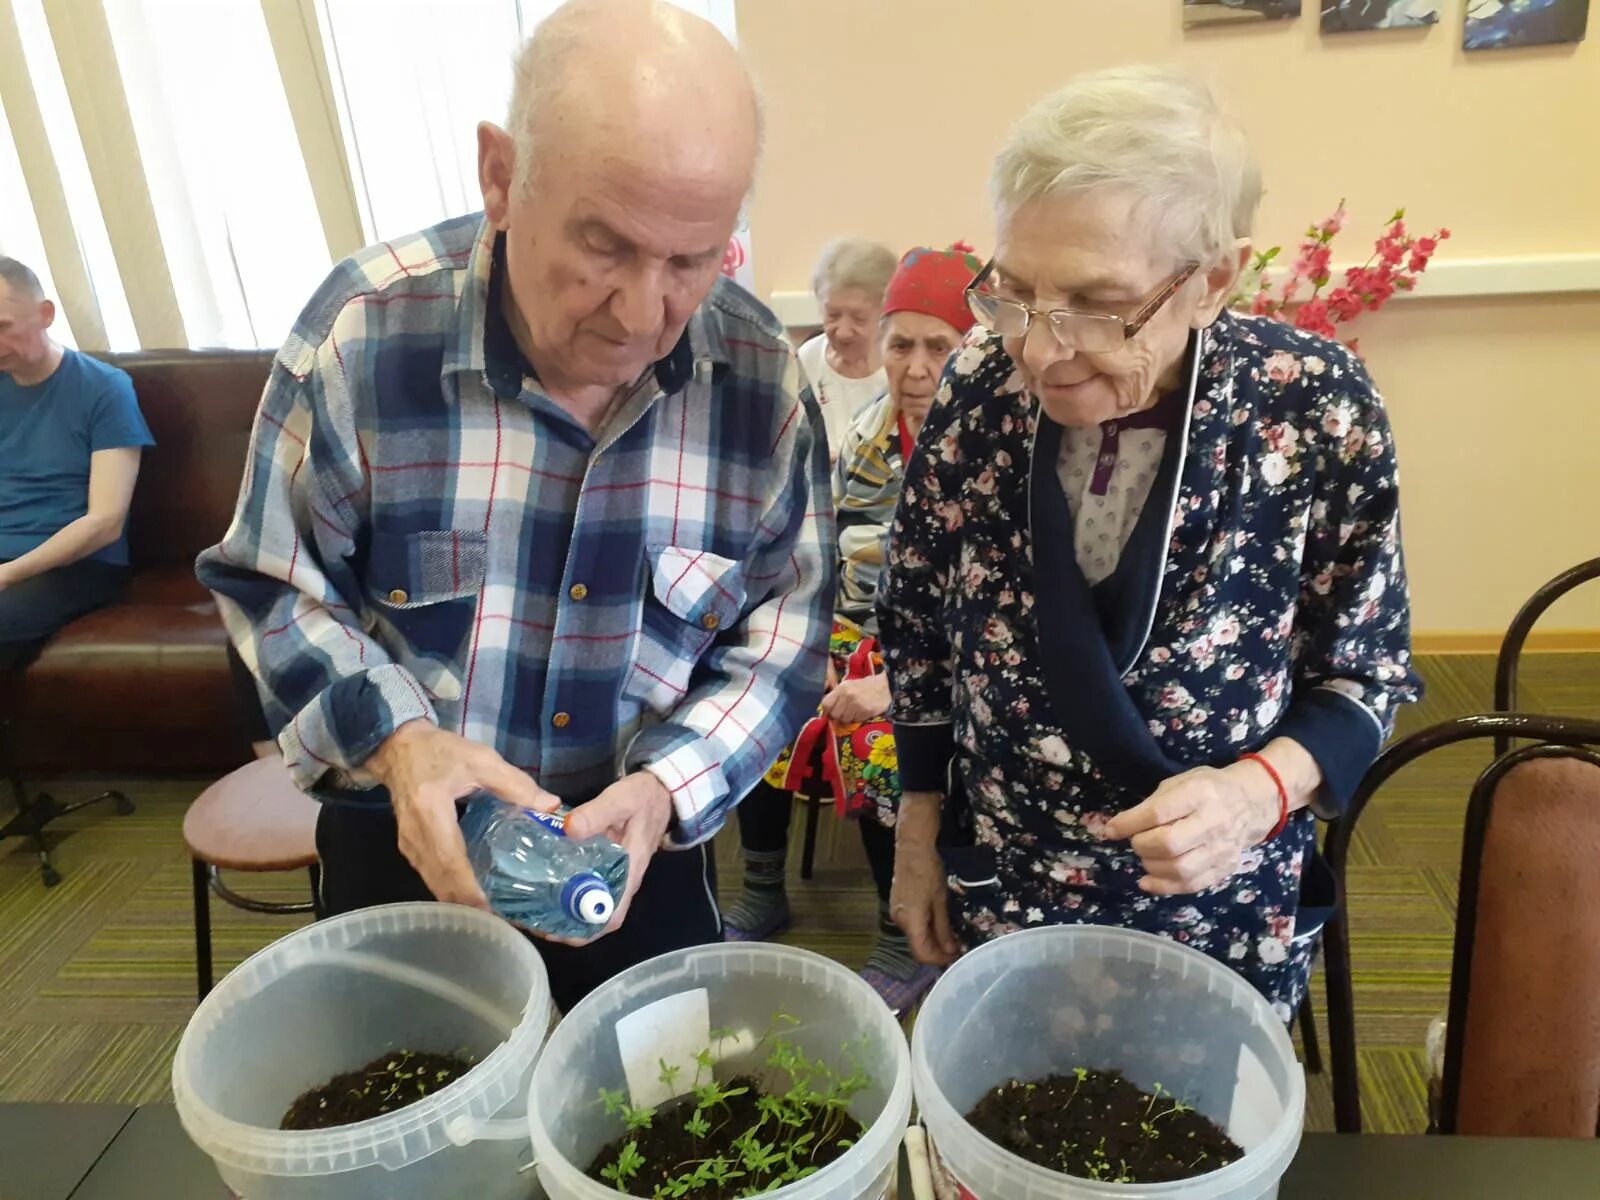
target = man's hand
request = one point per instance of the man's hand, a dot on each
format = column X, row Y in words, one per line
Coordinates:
column 919, row 900
column 428, row 769
column 857, row 700
column 634, row 813
column 1193, row 829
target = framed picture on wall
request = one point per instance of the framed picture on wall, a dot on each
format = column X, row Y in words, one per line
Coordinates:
column 1216, row 12
column 1503, row 24
column 1347, row 16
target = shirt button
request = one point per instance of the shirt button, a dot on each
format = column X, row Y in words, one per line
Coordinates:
column 578, row 591
column 711, row 621
column 561, row 720
column 398, row 596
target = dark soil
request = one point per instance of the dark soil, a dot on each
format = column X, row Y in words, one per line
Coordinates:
column 1097, row 1125
column 670, row 1152
column 386, row 1084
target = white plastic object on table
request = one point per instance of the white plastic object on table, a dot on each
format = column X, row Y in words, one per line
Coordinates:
column 338, row 993
column 747, row 986
column 1043, row 1001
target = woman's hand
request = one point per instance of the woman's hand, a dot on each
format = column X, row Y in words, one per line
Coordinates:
column 857, row 700
column 1193, row 829
column 919, row 900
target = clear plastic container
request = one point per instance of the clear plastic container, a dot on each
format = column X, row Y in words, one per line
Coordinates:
column 747, row 985
column 332, row 997
column 1044, row 1001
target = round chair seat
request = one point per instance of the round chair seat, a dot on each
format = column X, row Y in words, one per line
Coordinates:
column 253, row 819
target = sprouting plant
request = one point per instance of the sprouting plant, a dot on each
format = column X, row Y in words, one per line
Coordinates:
column 704, row 1062
column 629, row 1160
column 714, row 1095
column 616, row 1104
column 759, row 1157
column 1156, row 1092
column 1082, row 1075
column 781, row 1141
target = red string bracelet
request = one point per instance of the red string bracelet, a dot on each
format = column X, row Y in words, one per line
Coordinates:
column 1283, row 794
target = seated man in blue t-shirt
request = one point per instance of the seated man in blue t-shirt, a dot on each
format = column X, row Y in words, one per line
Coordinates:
column 70, row 439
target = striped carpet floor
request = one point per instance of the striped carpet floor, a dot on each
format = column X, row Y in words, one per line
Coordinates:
column 99, row 971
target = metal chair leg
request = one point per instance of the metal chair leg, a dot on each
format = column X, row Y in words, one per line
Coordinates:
column 33, row 816
column 1307, row 1019
column 202, row 927
column 808, row 854
column 1341, row 1026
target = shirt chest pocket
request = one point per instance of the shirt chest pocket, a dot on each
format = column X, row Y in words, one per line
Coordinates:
column 690, row 598
column 423, row 588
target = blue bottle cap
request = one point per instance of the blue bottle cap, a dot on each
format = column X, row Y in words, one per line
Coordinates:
column 585, row 897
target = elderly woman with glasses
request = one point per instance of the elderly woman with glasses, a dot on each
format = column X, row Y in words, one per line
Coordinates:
column 1145, row 591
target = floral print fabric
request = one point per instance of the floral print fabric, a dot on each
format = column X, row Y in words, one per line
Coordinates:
column 1277, row 605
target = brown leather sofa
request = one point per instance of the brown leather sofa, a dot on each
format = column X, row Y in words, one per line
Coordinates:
column 143, row 687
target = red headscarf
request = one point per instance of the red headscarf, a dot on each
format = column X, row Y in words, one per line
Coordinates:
column 934, row 282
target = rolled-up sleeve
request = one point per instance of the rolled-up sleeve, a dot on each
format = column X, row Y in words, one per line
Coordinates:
column 1353, row 664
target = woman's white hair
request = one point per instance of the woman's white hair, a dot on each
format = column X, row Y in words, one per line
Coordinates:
column 853, row 263
column 1154, row 132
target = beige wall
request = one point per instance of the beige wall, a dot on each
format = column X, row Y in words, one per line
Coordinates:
column 883, row 116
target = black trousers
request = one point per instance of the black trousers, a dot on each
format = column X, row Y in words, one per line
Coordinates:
column 248, row 718
column 764, row 818
column 32, row 611
column 675, row 907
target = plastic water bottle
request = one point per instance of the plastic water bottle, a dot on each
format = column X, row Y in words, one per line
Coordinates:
column 537, row 877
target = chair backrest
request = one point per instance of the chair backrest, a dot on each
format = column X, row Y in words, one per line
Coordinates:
column 200, row 405
column 1571, row 737
column 1509, row 660
column 1529, row 1058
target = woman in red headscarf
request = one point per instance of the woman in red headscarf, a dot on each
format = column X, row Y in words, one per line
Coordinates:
column 851, row 744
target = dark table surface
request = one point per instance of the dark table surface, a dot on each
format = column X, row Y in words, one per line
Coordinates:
column 47, row 1149
column 100, row 1152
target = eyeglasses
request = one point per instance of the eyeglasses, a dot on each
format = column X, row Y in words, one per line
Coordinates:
column 1094, row 333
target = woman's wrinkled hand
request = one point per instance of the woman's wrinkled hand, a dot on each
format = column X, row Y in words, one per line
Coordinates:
column 857, row 700
column 1192, row 831
column 919, row 898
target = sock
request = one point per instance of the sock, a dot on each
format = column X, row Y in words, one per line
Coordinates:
column 764, row 901
column 892, row 954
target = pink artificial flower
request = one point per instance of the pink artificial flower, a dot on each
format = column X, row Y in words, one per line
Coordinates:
column 1344, row 303
column 1314, row 262
column 1313, row 317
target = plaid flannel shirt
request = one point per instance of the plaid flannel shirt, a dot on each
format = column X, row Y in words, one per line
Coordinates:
column 422, row 533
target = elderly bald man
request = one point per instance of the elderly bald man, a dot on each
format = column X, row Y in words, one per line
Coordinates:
column 537, row 504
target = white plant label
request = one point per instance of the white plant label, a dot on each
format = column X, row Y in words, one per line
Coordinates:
column 672, row 1030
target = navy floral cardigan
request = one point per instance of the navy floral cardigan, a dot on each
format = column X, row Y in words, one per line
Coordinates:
column 1262, row 594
